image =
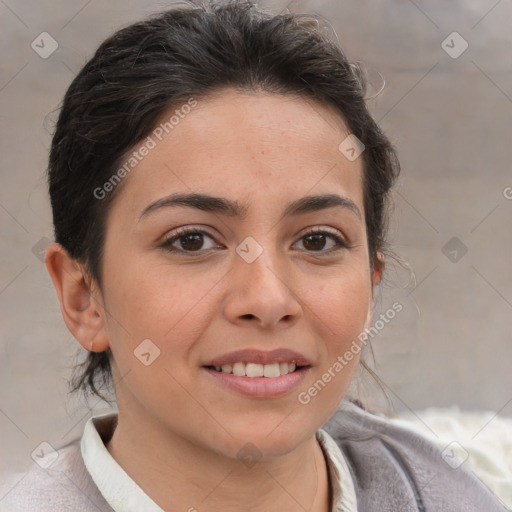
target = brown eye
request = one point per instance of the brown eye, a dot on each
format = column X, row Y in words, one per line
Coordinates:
column 187, row 240
column 322, row 242
column 315, row 242
column 191, row 242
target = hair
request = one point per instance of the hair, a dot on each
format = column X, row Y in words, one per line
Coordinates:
column 193, row 50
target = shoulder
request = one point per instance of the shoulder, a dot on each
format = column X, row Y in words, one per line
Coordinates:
column 59, row 481
column 395, row 468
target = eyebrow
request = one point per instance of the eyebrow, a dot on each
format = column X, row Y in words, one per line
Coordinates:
column 232, row 208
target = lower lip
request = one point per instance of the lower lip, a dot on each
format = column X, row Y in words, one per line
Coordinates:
column 262, row 387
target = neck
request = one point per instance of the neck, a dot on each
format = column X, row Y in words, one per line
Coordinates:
column 181, row 476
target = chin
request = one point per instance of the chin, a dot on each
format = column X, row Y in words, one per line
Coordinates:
column 268, row 437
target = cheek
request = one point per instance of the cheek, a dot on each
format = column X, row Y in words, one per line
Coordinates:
column 147, row 300
column 340, row 307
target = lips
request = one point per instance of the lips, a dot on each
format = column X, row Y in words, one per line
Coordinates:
column 259, row 357
column 259, row 373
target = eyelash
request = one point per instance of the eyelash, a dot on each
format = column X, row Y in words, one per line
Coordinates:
column 182, row 232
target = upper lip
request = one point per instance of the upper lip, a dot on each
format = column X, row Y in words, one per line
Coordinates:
column 280, row 355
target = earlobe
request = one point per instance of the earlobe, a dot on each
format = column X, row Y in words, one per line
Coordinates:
column 81, row 306
column 378, row 269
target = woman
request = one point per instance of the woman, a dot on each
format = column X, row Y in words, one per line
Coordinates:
column 219, row 193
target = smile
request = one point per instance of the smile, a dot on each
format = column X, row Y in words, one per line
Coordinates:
column 270, row 371
column 259, row 373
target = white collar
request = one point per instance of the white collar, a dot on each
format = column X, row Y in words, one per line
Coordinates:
column 124, row 495
column 118, row 489
column 344, row 494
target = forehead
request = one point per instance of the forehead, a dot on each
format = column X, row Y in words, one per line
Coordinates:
column 251, row 146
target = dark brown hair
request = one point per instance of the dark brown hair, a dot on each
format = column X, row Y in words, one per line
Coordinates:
column 192, row 50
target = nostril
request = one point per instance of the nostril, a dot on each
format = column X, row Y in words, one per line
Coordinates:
column 248, row 316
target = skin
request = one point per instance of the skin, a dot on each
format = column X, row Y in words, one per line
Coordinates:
column 179, row 431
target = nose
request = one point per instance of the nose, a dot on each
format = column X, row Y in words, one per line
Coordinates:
column 261, row 293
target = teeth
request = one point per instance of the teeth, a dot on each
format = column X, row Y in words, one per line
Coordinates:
column 270, row 371
column 239, row 369
column 254, row 370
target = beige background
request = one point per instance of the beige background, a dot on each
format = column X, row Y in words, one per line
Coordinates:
column 450, row 119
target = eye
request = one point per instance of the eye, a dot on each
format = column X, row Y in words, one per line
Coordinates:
column 318, row 239
column 191, row 241
column 187, row 240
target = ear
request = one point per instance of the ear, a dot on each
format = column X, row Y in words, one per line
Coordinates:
column 81, row 303
column 378, row 270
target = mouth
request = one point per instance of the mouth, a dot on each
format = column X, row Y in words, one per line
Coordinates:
column 256, row 370
column 258, row 373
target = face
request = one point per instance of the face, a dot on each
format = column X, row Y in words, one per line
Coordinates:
column 258, row 280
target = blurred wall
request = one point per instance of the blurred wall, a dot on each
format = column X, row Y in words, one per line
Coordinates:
column 446, row 104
